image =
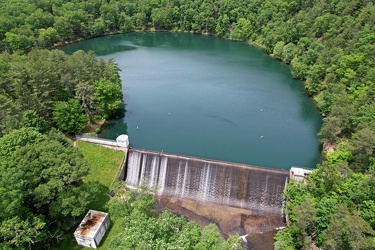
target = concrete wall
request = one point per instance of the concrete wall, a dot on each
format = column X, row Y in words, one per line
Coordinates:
column 231, row 184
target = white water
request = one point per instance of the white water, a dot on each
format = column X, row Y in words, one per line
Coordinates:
column 228, row 184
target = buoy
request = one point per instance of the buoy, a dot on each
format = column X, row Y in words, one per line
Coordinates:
column 137, row 127
column 261, row 110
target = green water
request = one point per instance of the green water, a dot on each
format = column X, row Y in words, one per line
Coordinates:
column 211, row 98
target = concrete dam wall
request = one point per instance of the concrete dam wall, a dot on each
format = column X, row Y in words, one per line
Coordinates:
column 230, row 184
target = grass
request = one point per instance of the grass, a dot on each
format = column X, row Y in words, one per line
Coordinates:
column 104, row 166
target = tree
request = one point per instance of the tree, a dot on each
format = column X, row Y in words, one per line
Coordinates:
column 222, row 27
column 284, row 240
column 242, row 30
column 289, row 52
column 8, row 109
column 68, row 116
column 16, row 139
column 278, row 50
column 330, row 130
column 144, row 228
column 17, row 232
column 210, row 238
column 305, row 216
column 63, row 28
column 18, row 42
column 125, row 22
column 325, row 208
column 347, row 231
column 48, row 37
column 85, row 94
column 162, row 18
column 108, row 96
column 36, row 82
column 31, row 119
column 363, row 146
column 40, row 20
column 41, row 188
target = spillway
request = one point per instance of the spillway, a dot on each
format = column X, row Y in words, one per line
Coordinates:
column 231, row 184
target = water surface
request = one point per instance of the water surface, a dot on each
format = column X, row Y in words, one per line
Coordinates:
column 210, row 97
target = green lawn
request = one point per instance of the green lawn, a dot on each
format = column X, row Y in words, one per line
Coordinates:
column 104, row 164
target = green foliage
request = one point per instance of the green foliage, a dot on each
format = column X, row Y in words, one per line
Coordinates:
column 332, row 199
column 31, row 119
column 347, row 231
column 41, row 81
column 68, row 117
column 278, row 50
column 17, row 232
column 329, row 44
column 210, row 238
column 41, row 188
column 284, row 240
column 339, row 156
column 143, row 228
column 18, row 42
column 242, row 30
column 368, row 212
column 18, row 139
column 109, row 97
column 48, row 37
column 28, row 118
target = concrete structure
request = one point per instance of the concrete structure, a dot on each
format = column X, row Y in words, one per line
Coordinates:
column 299, row 174
column 92, row 229
column 122, row 141
column 231, row 184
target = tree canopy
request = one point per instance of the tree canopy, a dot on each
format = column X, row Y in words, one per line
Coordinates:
column 41, row 188
column 329, row 44
column 60, row 90
column 144, row 228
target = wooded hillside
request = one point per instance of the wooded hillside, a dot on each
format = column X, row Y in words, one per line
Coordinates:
column 330, row 44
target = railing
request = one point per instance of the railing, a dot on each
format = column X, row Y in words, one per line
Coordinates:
column 97, row 140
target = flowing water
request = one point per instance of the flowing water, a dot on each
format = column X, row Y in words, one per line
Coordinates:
column 211, row 98
column 243, row 186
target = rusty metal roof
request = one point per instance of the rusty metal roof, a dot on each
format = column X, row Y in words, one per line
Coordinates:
column 90, row 224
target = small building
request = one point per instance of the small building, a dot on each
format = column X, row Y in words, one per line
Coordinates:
column 92, row 229
column 122, row 141
column 299, row 174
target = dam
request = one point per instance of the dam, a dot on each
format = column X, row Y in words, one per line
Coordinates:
column 223, row 183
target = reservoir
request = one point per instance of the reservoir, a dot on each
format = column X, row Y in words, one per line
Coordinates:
column 210, row 97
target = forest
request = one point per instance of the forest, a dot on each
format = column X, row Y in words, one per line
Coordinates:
column 330, row 45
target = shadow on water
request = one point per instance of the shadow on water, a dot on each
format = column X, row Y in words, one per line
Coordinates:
column 113, row 128
column 116, row 126
column 100, row 46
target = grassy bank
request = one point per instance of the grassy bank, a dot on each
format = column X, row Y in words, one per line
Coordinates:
column 104, row 165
